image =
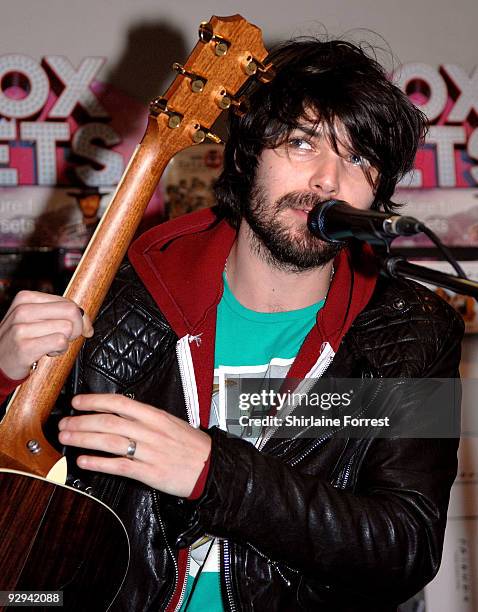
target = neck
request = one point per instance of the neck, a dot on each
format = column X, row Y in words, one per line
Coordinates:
column 261, row 286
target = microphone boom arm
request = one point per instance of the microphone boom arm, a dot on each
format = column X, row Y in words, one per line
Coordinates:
column 399, row 267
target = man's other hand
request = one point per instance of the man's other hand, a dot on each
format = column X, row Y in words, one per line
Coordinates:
column 38, row 324
column 166, row 453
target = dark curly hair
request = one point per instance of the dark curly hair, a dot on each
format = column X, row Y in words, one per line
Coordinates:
column 335, row 81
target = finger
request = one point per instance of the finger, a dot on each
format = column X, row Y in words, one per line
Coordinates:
column 119, row 466
column 107, row 443
column 51, row 344
column 55, row 310
column 34, row 297
column 108, row 424
column 87, row 330
column 22, row 332
column 24, row 298
column 17, row 364
column 117, row 404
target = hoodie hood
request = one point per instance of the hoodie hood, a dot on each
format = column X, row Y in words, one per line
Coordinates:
column 181, row 263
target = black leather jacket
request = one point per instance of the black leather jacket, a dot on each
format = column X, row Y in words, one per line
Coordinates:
column 308, row 525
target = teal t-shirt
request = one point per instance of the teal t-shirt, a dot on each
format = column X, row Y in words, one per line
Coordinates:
column 250, row 344
column 246, row 338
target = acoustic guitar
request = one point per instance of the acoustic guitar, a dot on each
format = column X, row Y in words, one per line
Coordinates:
column 54, row 537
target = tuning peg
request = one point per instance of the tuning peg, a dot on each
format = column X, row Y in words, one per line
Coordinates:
column 197, row 82
column 206, row 35
column 264, row 73
column 226, row 100
column 200, row 134
column 160, row 105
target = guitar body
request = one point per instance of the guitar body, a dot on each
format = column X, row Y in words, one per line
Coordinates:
column 56, row 538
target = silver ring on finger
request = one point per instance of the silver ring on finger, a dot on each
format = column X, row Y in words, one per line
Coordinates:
column 130, row 451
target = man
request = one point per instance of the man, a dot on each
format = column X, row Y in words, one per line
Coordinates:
column 313, row 524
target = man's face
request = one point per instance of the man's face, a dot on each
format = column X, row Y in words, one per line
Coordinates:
column 290, row 180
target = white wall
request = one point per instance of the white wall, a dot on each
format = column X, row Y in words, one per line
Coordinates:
column 430, row 31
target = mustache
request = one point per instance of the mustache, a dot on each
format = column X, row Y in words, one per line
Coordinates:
column 299, row 200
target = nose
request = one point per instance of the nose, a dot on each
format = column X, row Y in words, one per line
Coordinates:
column 325, row 175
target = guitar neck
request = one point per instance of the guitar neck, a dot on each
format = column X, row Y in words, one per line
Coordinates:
column 34, row 399
column 229, row 51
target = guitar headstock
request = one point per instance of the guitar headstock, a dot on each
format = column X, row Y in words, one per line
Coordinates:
column 229, row 52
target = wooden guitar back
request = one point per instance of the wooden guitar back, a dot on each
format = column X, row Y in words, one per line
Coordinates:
column 55, row 538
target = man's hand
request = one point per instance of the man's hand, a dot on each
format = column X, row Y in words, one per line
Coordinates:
column 169, row 455
column 38, row 324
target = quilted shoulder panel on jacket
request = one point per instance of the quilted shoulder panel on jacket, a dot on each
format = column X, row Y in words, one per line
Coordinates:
column 130, row 333
column 404, row 328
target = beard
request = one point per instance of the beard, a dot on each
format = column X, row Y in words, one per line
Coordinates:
column 286, row 244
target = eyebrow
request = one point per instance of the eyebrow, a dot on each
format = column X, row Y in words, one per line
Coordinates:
column 310, row 131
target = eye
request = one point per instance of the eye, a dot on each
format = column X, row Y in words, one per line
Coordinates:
column 300, row 147
column 357, row 160
column 299, row 143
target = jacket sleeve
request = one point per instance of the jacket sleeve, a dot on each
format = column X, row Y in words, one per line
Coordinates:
column 384, row 538
column 7, row 385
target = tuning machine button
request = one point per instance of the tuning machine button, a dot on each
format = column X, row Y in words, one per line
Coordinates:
column 160, row 105
column 200, row 133
column 206, row 35
column 253, row 67
column 197, row 82
column 226, row 100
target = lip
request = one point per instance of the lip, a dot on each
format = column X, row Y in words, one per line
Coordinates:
column 303, row 210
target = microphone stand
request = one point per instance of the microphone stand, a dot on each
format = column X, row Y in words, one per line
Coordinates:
column 397, row 266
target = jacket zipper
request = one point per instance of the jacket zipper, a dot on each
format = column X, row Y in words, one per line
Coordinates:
column 346, row 475
column 191, row 399
column 348, row 469
column 170, row 551
column 317, row 443
column 188, row 381
column 274, row 564
column 183, row 588
column 227, row 574
column 317, row 371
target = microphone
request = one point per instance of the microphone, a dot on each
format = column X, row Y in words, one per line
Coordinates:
column 335, row 220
